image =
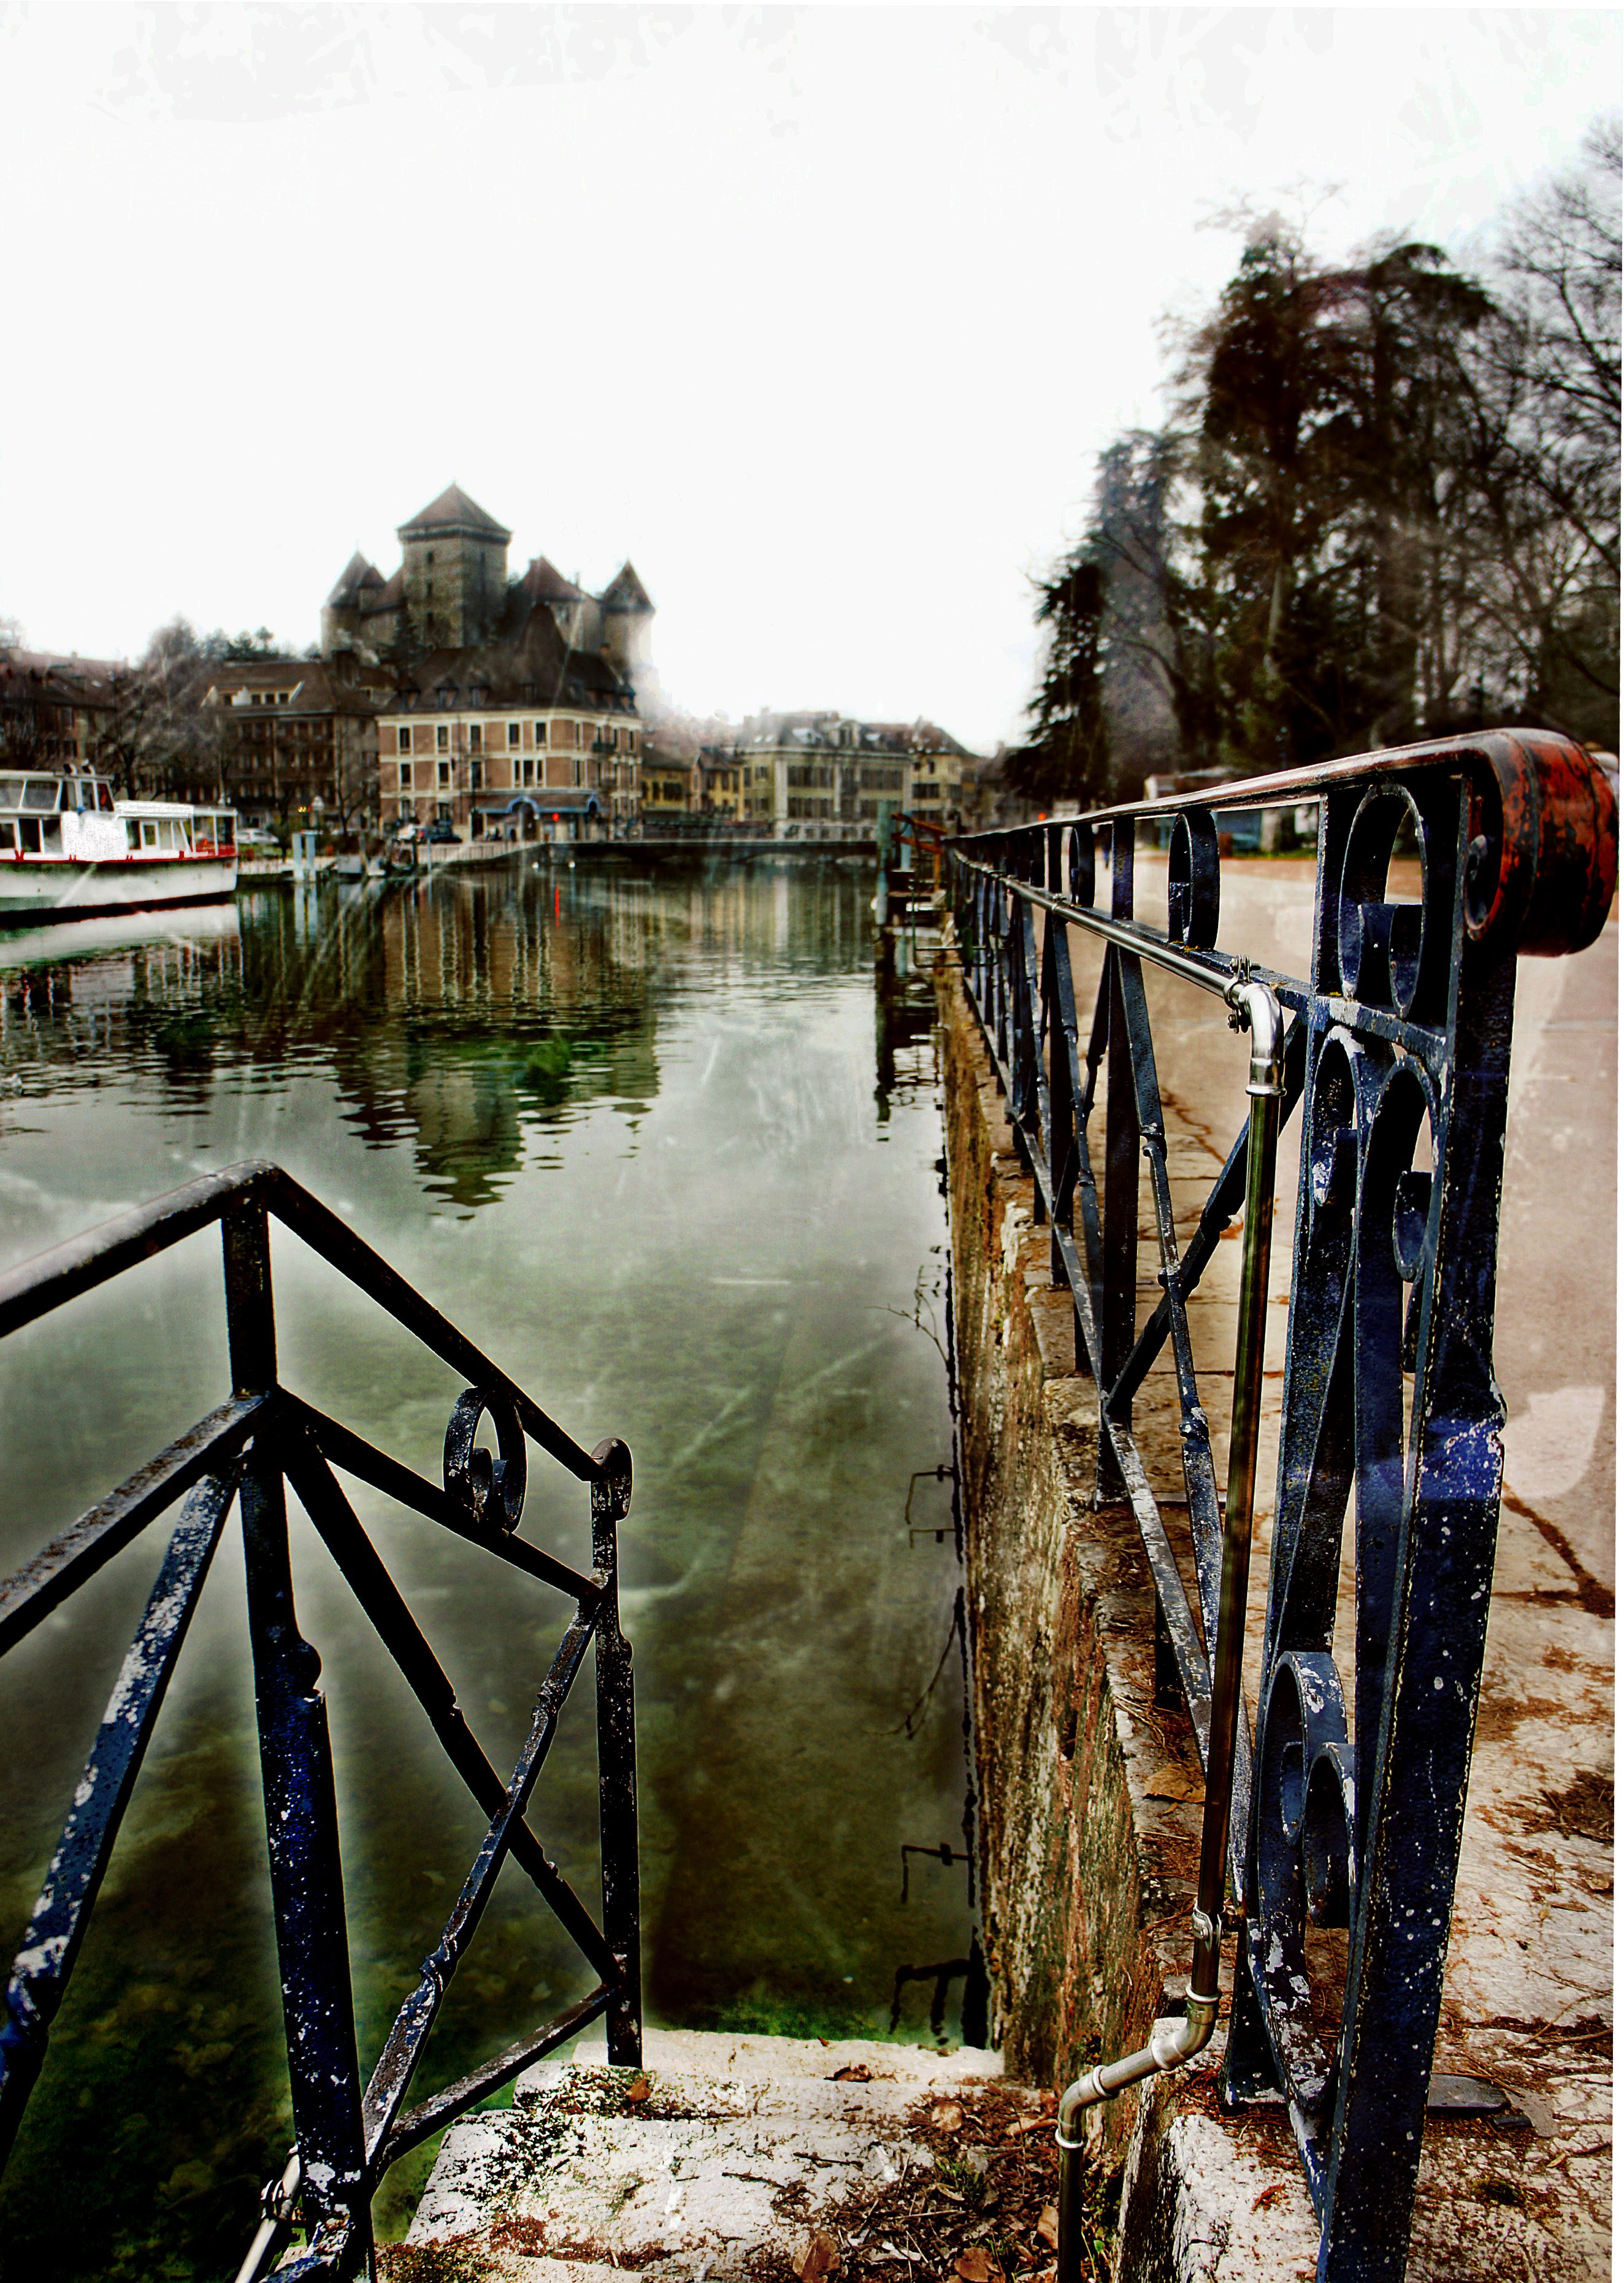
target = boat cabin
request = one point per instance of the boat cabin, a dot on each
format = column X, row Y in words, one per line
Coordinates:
column 33, row 809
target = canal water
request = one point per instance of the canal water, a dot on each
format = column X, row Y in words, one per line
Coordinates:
column 651, row 1139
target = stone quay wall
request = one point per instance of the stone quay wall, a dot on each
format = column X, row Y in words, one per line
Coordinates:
column 1090, row 1794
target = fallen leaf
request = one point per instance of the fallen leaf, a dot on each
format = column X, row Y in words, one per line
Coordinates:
column 974, row 2266
column 852, row 2073
column 1030, row 2124
column 1049, row 2226
column 820, row 2257
column 947, row 2116
column 1268, row 2195
column 638, row 2091
column 1170, row 1781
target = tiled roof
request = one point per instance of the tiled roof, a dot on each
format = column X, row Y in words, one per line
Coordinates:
column 536, row 659
column 548, row 585
column 315, row 688
column 454, row 510
column 625, row 591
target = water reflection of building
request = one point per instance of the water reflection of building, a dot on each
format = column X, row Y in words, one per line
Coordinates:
column 464, row 1020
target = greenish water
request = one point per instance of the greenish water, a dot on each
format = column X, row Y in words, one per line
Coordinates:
column 642, row 1137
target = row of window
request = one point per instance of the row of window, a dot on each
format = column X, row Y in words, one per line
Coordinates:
column 607, row 740
column 525, row 773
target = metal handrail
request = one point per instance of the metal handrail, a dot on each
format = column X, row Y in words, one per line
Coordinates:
column 1400, row 1030
column 244, row 1450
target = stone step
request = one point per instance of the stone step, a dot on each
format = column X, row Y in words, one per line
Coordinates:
column 724, row 2156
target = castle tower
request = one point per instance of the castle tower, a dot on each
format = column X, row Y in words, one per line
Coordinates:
column 455, row 570
column 348, row 608
column 628, row 625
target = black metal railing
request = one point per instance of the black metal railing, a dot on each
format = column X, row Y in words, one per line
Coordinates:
column 1347, row 1798
column 264, row 1439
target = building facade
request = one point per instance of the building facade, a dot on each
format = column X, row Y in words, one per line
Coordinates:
column 517, row 739
column 672, row 785
column 813, row 776
column 807, row 776
column 59, row 713
column 294, row 747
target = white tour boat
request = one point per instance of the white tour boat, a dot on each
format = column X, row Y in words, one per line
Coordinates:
column 67, row 848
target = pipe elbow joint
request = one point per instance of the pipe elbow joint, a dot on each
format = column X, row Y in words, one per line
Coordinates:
column 1258, row 1011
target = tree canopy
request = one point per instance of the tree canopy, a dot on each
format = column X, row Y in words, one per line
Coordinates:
column 1386, row 506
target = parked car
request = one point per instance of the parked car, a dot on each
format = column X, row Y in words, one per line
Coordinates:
column 440, row 830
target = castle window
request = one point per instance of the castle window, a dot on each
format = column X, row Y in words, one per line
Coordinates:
column 476, row 737
column 443, row 775
column 406, row 777
column 541, row 733
column 403, row 741
column 429, row 557
column 442, row 739
column 513, row 733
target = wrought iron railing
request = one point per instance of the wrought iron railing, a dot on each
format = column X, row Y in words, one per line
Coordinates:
column 1348, row 1797
column 254, row 1445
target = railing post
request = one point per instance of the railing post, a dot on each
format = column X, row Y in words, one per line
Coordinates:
column 611, row 1497
column 301, row 1819
column 1120, row 1235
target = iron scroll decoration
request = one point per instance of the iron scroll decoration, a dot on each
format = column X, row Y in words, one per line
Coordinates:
column 1390, row 1407
column 488, row 1490
column 1192, row 880
column 1355, row 1785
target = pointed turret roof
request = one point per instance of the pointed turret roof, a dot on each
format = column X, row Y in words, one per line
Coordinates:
column 548, row 585
column 357, row 573
column 625, row 591
column 454, row 510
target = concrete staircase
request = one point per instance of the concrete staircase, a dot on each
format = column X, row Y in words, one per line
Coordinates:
column 724, row 2156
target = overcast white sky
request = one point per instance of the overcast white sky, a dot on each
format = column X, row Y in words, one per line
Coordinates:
column 818, row 315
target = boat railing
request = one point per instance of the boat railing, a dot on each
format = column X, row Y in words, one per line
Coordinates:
column 262, row 1440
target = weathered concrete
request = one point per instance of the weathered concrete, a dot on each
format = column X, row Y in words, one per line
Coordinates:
column 723, row 2157
column 1089, row 1790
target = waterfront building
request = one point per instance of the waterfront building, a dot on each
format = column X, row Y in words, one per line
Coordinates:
column 59, row 713
column 672, row 783
column 810, row 776
column 940, row 769
column 520, row 737
column 721, row 782
column 818, row 776
column 295, row 742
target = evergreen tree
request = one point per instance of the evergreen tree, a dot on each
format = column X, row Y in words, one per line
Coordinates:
column 1065, row 762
